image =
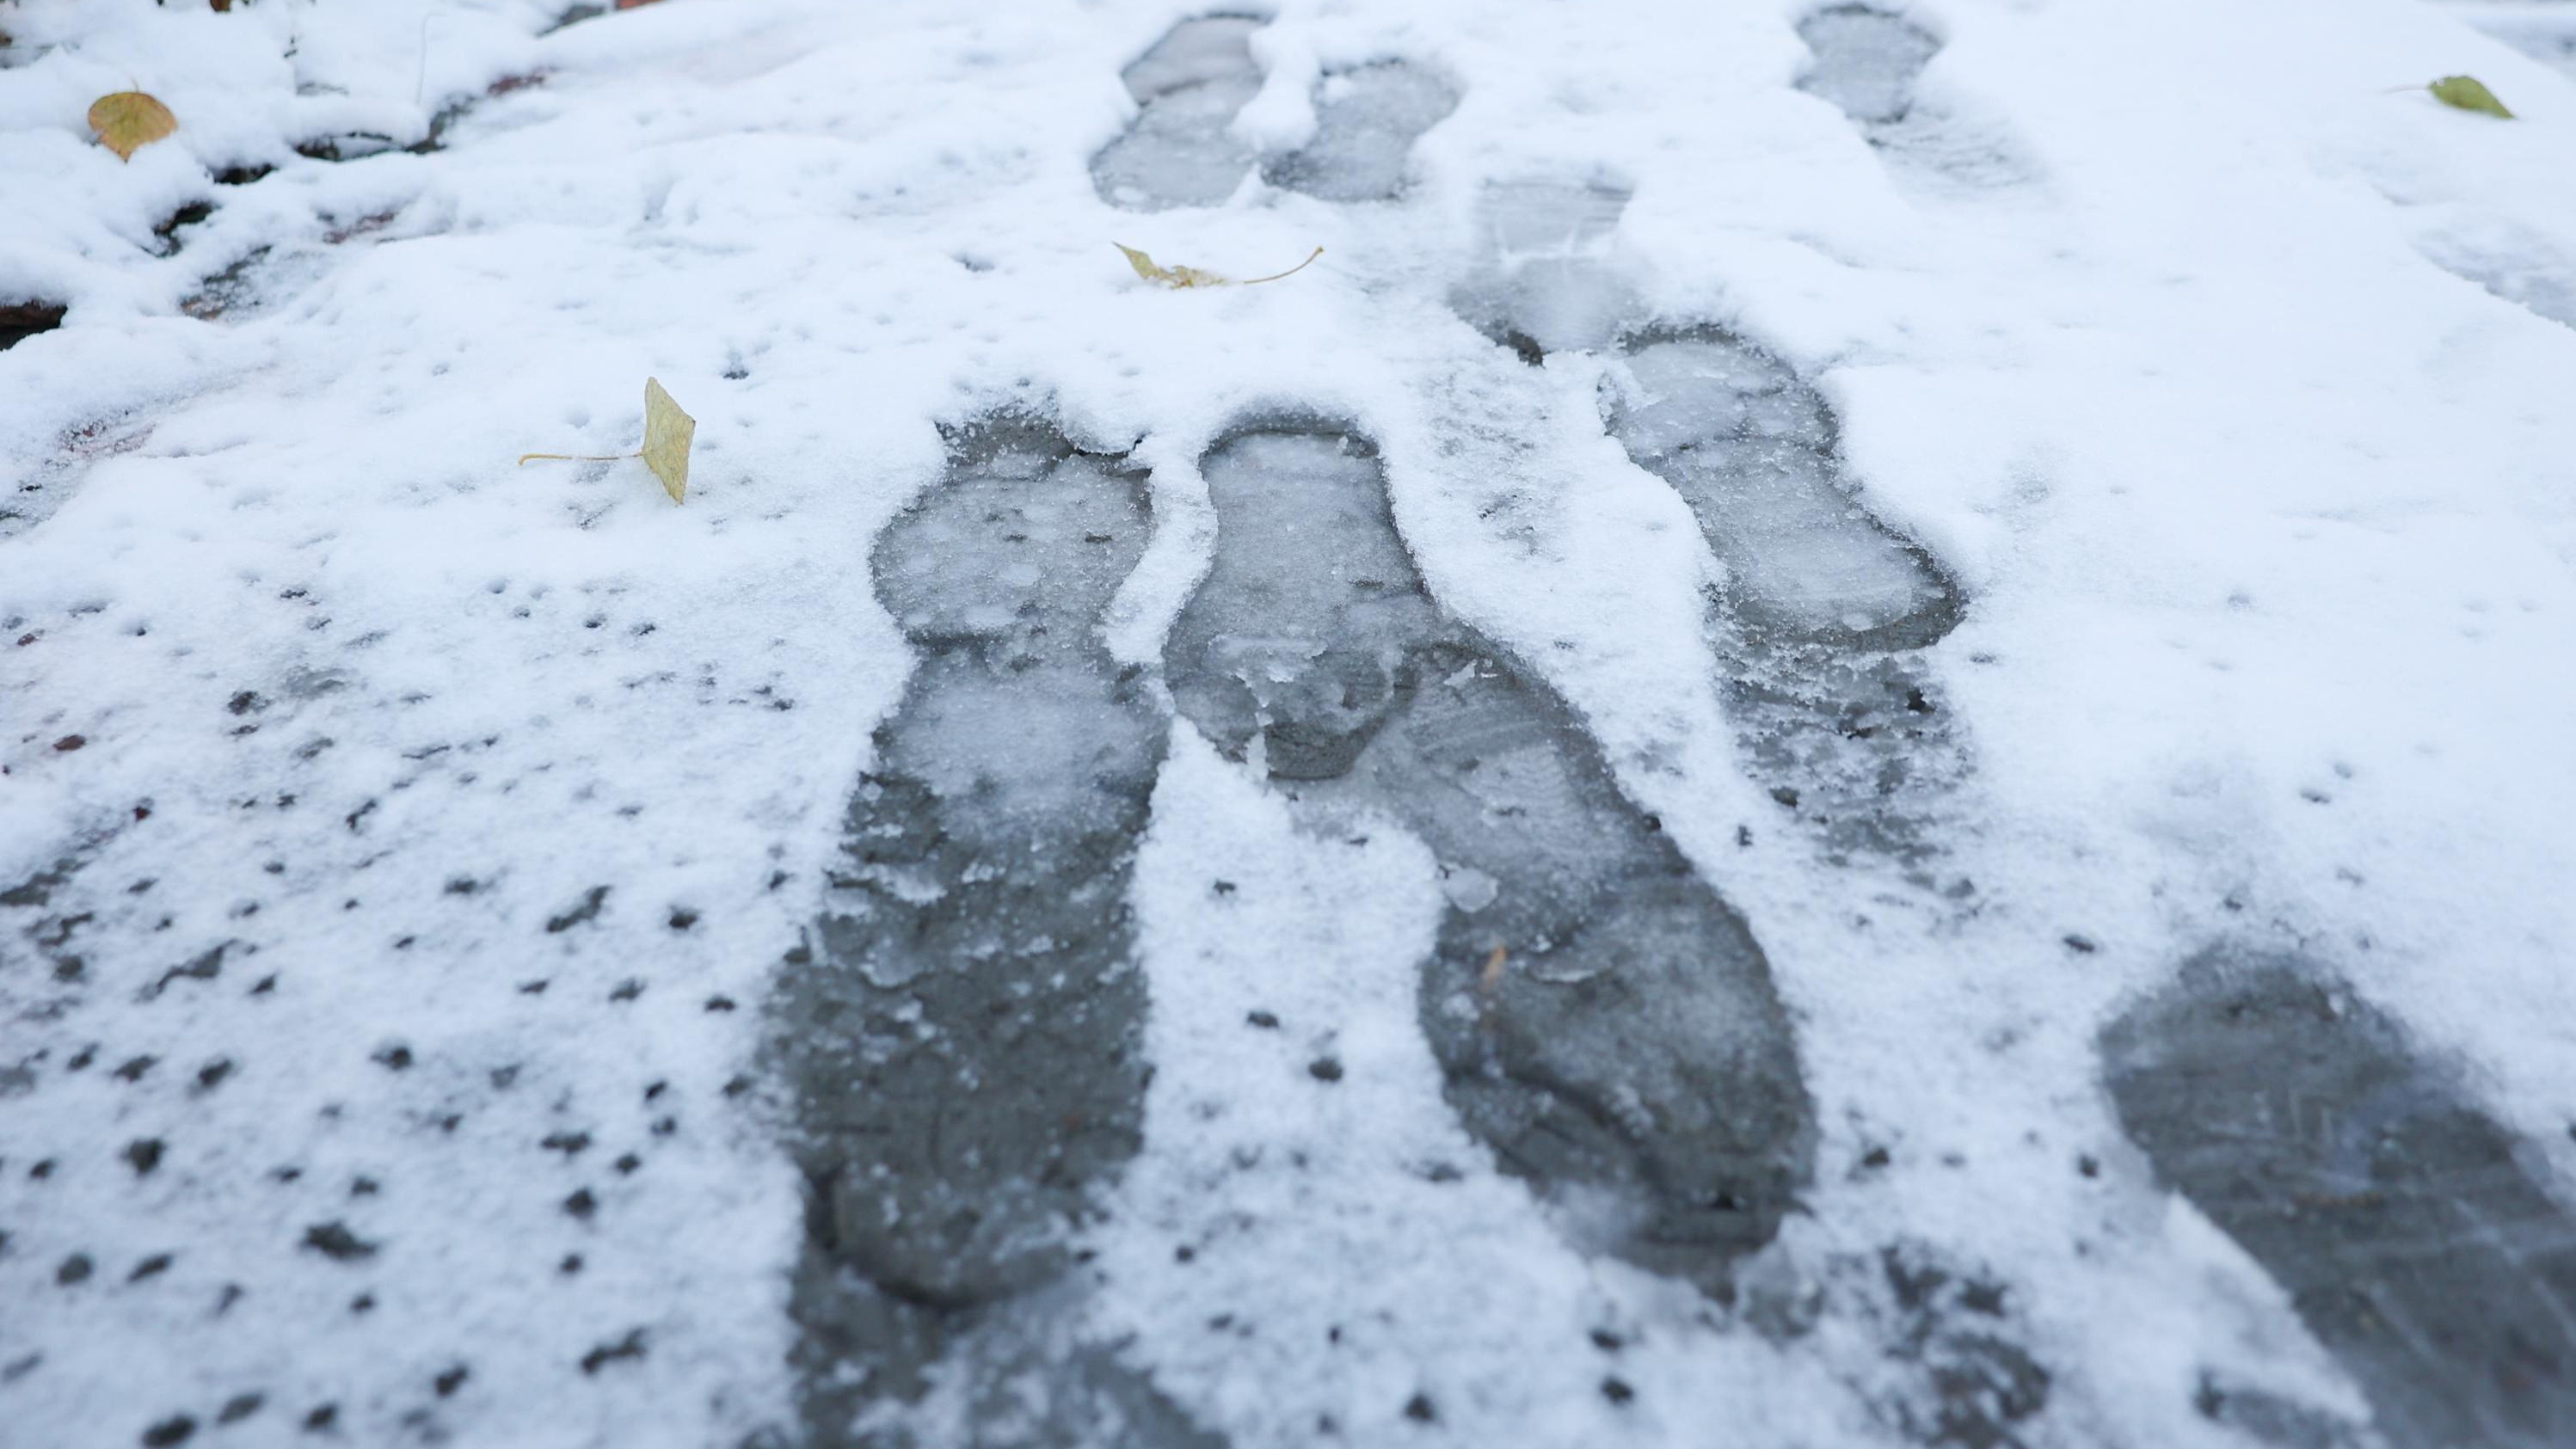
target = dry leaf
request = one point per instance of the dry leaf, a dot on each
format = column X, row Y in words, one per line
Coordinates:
column 667, row 433
column 1492, row 975
column 129, row 120
column 1154, row 271
column 1177, row 277
column 2468, row 93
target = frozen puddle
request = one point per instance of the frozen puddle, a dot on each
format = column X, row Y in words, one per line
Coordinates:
column 1822, row 609
column 1190, row 85
column 2402, row 1221
column 961, row 1030
column 1604, row 1021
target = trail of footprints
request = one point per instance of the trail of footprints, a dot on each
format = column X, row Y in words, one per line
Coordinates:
column 962, row 1028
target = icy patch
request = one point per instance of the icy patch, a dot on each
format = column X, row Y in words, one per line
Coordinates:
column 1606, row 1024
column 960, row 1030
column 2405, row 1224
column 2512, row 262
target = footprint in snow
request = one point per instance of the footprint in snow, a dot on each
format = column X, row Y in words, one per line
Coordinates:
column 1820, row 627
column 1605, row 1022
column 961, row 1030
column 2404, row 1223
column 1866, row 62
column 1824, row 612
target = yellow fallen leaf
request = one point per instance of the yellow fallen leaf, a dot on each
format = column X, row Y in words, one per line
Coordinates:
column 1154, row 271
column 1177, row 277
column 2468, row 93
column 667, row 435
column 129, row 120
column 1492, row 975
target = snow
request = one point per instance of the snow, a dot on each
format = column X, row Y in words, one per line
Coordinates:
column 439, row 859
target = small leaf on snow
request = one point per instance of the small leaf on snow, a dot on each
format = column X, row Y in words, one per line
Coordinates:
column 667, row 433
column 129, row 120
column 1154, row 271
column 1176, row 277
column 2468, row 93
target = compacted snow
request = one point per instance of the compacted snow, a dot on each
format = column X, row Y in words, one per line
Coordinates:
column 1850, row 733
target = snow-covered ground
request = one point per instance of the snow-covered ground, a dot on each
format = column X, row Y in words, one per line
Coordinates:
column 1852, row 732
